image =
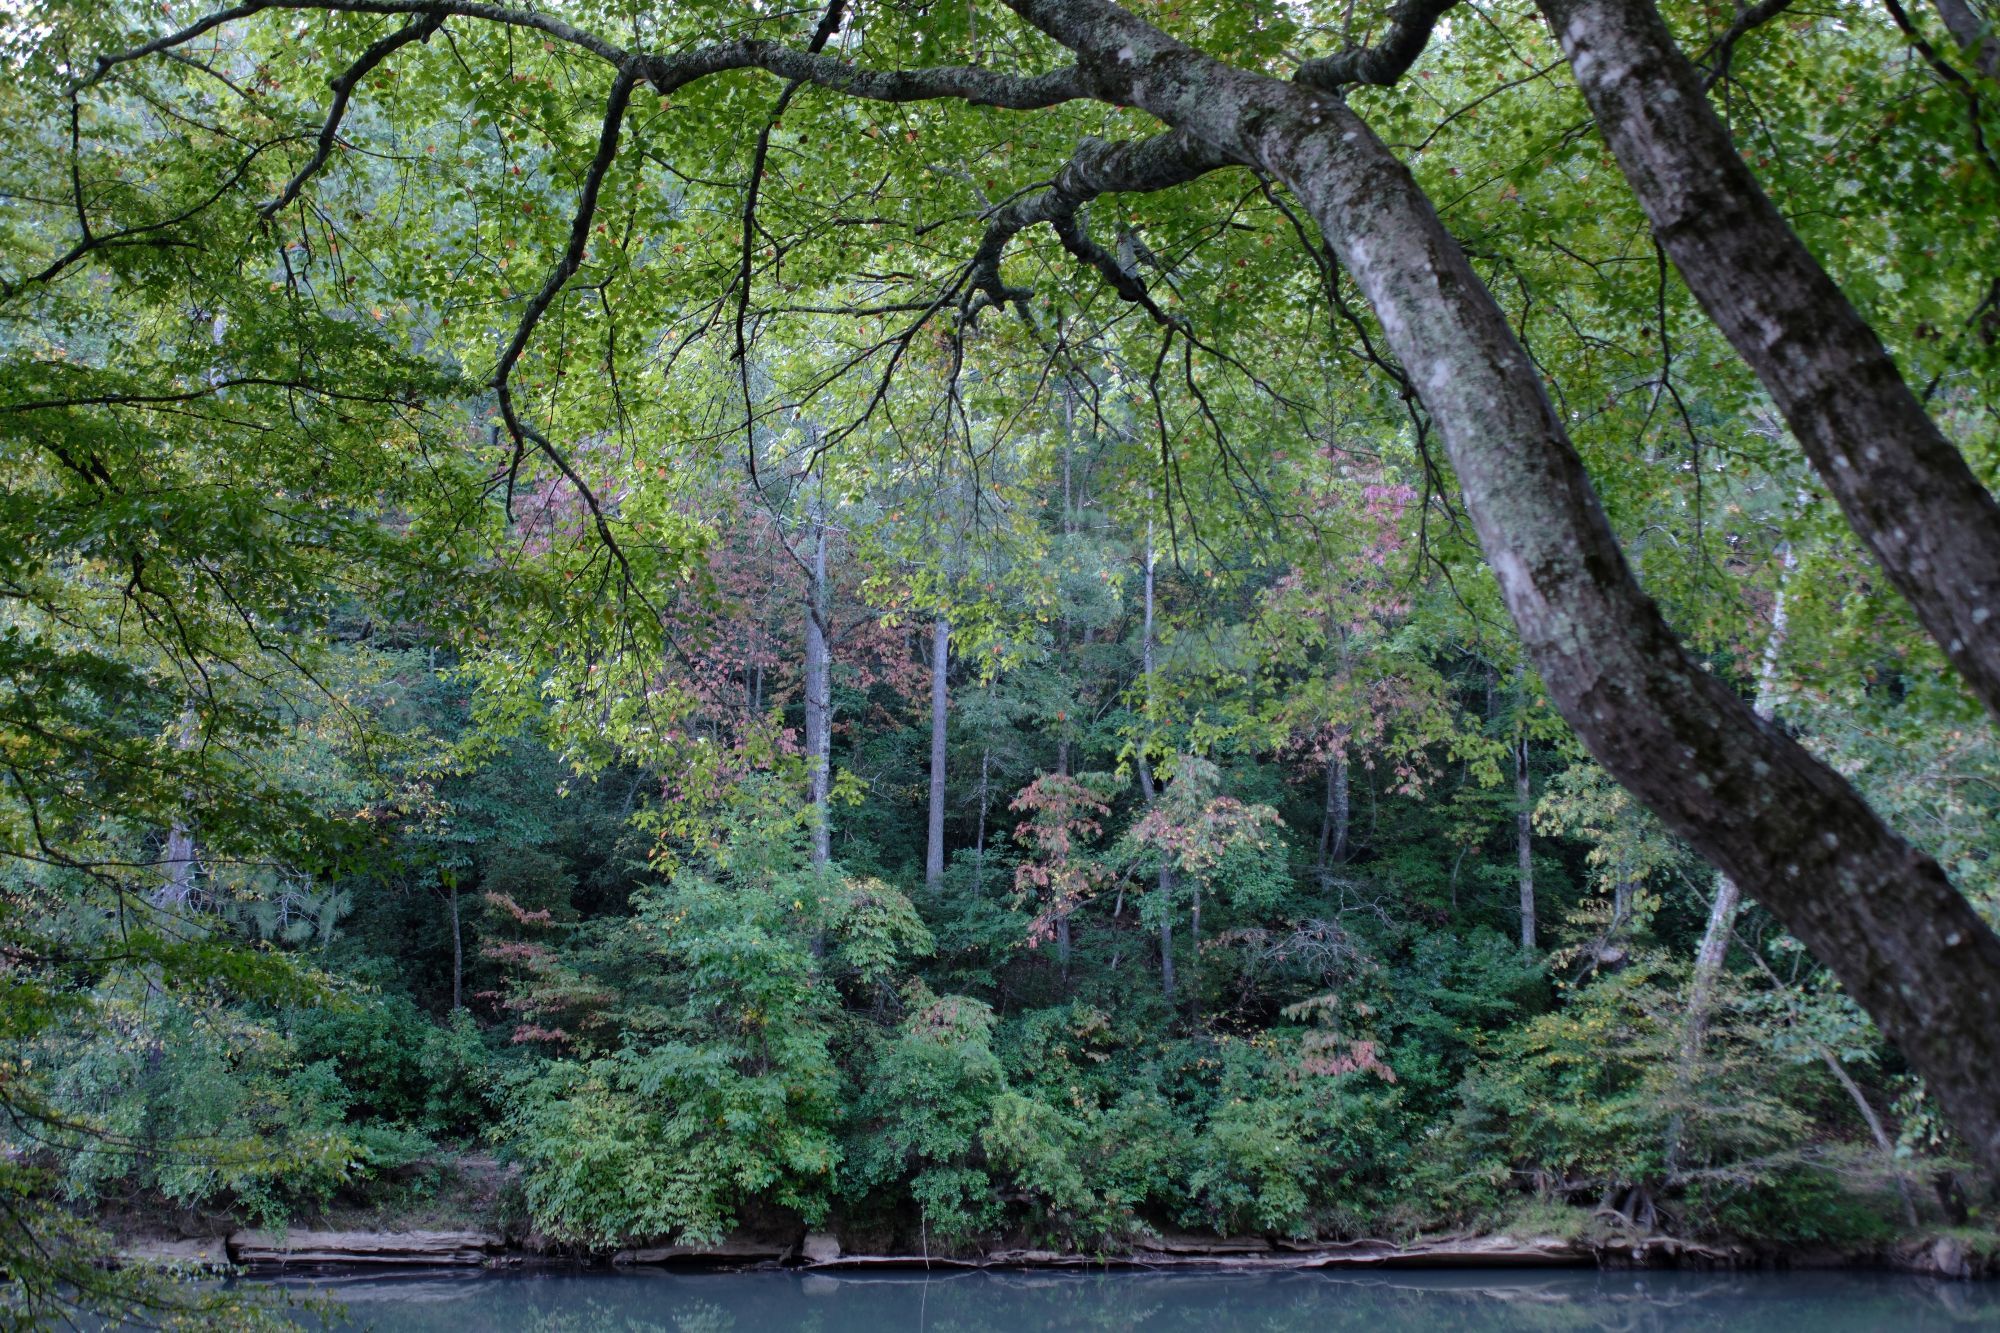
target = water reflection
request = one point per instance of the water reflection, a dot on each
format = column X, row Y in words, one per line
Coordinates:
column 990, row 1302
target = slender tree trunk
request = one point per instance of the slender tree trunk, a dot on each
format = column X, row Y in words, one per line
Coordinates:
column 1524, row 808
column 1333, row 831
column 1146, row 787
column 940, row 706
column 1708, row 960
column 178, row 857
column 457, row 952
column 1876, row 1131
column 1714, row 948
column 1907, row 492
column 1879, row 913
column 1713, row 951
column 819, row 688
column 979, row 842
column 1621, row 901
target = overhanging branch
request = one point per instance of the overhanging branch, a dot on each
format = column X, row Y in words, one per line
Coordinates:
column 1410, row 26
column 1098, row 168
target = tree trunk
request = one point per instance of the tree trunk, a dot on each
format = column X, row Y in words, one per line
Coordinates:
column 1524, row 810
column 178, row 859
column 1146, row 787
column 819, row 688
column 1790, row 830
column 1722, row 913
column 1708, row 960
column 457, row 952
column 1334, row 824
column 1969, row 30
column 979, row 842
column 940, row 706
column 1876, row 1131
column 1906, row 491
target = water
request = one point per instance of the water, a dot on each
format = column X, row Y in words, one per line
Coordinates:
column 1440, row 1301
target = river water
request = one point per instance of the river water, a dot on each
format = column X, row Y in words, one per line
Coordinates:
column 1444, row 1301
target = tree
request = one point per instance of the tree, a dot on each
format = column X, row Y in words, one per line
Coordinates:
column 1783, row 825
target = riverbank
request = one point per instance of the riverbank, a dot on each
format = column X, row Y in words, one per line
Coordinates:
column 1956, row 1256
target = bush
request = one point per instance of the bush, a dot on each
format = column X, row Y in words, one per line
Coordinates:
column 920, row 1111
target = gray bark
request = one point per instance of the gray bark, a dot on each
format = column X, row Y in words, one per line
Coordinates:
column 1876, row 1130
column 457, row 952
column 1146, row 787
column 1714, row 946
column 1524, row 811
column 1973, row 34
column 819, row 687
column 940, row 707
column 1906, row 491
column 1790, row 830
column 1335, row 824
column 178, row 858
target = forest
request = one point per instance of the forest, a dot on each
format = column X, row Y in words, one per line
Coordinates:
column 996, row 623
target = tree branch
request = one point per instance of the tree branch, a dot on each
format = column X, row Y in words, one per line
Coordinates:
column 1410, row 26
column 343, row 88
column 565, row 269
column 1098, row 168
column 829, row 24
column 1747, row 21
column 971, row 83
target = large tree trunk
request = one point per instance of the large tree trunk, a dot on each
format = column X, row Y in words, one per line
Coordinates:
column 1882, row 915
column 819, row 688
column 1905, row 490
column 940, row 707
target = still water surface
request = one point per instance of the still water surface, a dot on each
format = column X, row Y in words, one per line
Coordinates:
column 1448, row 1301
